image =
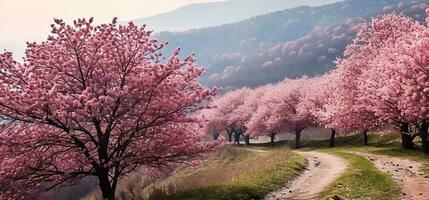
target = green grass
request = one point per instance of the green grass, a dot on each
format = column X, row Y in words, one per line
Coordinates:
column 246, row 173
column 362, row 180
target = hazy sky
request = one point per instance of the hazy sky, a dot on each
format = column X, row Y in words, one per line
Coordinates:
column 29, row 20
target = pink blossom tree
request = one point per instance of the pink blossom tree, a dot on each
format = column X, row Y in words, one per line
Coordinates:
column 212, row 123
column 342, row 111
column 264, row 120
column 411, row 73
column 362, row 58
column 222, row 115
column 397, row 82
column 297, row 119
column 283, row 101
column 95, row 101
column 258, row 123
column 257, row 112
column 245, row 111
column 315, row 98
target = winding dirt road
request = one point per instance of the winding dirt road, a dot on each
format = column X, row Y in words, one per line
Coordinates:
column 414, row 183
column 322, row 170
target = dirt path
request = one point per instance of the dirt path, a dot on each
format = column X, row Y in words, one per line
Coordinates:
column 414, row 183
column 322, row 170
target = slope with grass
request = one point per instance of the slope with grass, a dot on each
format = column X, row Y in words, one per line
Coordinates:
column 231, row 173
column 251, row 174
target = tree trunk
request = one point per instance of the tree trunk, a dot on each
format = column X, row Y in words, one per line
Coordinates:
column 407, row 139
column 425, row 144
column 229, row 133
column 365, row 137
column 298, row 138
column 332, row 139
column 272, row 137
column 423, row 132
column 215, row 136
column 247, row 139
column 236, row 137
column 106, row 189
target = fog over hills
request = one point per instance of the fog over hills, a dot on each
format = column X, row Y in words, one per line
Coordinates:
column 218, row 13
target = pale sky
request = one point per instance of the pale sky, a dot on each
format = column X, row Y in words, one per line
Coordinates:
column 29, row 20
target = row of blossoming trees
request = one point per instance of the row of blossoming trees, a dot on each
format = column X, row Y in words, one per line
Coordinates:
column 95, row 101
column 382, row 82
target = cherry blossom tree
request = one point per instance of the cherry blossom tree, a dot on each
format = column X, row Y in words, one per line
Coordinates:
column 397, row 81
column 412, row 74
column 212, row 123
column 95, row 101
column 314, row 99
column 245, row 111
column 222, row 114
column 284, row 99
column 365, row 55
column 342, row 111
column 258, row 111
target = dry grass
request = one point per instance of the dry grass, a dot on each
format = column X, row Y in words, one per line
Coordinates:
column 247, row 170
column 129, row 188
column 229, row 167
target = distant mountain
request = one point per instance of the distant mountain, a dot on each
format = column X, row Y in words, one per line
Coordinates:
column 289, row 43
column 218, row 13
